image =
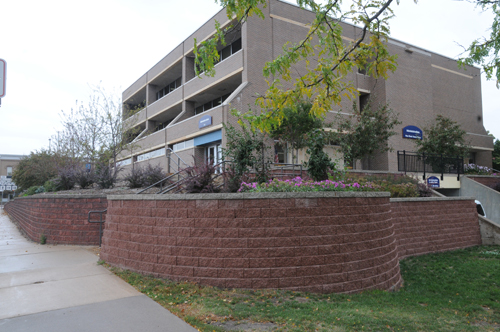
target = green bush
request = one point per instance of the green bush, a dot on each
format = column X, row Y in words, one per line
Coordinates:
column 84, row 178
column 35, row 169
column 31, row 191
column 104, row 176
column 50, row 186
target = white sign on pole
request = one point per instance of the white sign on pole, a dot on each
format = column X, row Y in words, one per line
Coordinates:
column 3, row 74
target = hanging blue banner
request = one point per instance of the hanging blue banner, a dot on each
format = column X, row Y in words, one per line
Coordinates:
column 412, row 132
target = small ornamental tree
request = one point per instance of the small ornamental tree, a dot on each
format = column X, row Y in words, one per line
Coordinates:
column 366, row 131
column 319, row 162
column 246, row 148
column 297, row 122
column 444, row 137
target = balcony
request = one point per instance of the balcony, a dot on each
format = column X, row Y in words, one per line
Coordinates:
column 135, row 119
column 156, row 139
column 229, row 67
column 165, row 103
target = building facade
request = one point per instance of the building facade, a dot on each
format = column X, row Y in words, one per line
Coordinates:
column 8, row 163
column 174, row 109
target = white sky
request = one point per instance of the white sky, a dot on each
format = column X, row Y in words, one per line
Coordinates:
column 55, row 49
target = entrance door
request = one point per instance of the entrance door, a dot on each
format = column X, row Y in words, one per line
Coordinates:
column 213, row 154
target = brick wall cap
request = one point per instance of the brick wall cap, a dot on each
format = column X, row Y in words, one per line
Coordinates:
column 61, row 196
column 427, row 199
column 229, row 196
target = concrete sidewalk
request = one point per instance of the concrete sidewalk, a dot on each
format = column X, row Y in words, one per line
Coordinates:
column 61, row 288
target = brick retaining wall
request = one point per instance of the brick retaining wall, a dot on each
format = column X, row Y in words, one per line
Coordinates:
column 486, row 180
column 427, row 225
column 61, row 218
column 321, row 243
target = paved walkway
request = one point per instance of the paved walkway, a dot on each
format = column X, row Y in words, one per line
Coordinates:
column 61, row 288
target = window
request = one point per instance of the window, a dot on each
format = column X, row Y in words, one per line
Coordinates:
column 9, row 172
column 279, row 153
column 162, row 125
column 124, row 162
column 169, row 88
column 364, row 99
column 152, row 154
column 226, row 52
column 211, row 104
column 183, row 145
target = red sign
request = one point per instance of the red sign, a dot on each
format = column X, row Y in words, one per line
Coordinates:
column 3, row 70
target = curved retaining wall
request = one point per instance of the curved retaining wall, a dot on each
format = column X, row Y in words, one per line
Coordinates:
column 427, row 225
column 61, row 218
column 321, row 242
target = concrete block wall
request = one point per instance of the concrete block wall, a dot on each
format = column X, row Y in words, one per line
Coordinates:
column 61, row 218
column 338, row 242
column 427, row 225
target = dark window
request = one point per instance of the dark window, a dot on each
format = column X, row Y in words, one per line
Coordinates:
column 169, row 88
column 363, row 101
column 225, row 53
column 236, row 46
column 207, row 106
column 217, row 102
column 225, row 97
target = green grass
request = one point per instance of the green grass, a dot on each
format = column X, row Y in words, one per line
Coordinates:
column 453, row 291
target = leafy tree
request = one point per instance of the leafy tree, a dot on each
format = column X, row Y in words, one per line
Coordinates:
column 246, row 148
column 96, row 132
column 484, row 50
column 366, row 131
column 444, row 137
column 319, row 162
column 334, row 56
column 496, row 155
column 297, row 122
column 37, row 168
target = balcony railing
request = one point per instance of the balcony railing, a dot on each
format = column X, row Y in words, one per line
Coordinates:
column 430, row 163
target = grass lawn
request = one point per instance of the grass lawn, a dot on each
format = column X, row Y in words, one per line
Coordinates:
column 452, row 291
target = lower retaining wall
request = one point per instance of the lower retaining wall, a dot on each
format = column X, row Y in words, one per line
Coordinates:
column 427, row 225
column 486, row 180
column 61, row 218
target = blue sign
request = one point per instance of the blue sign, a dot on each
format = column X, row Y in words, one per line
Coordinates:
column 412, row 132
column 433, row 182
column 205, row 121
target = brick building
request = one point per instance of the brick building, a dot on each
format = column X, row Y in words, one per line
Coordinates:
column 8, row 163
column 185, row 113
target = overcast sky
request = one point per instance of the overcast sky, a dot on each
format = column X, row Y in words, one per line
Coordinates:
column 55, row 49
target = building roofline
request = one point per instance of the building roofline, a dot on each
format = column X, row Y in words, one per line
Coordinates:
column 390, row 38
column 295, row 5
column 11, row 156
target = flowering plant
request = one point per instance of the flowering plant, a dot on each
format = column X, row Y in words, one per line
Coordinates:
column 299, row 185
column 476, row 169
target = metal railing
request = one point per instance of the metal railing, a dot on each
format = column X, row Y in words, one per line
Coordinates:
column 168, row 153
column 285, row 170
column 430, row 163
column 100, row 222
column 175, row 182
